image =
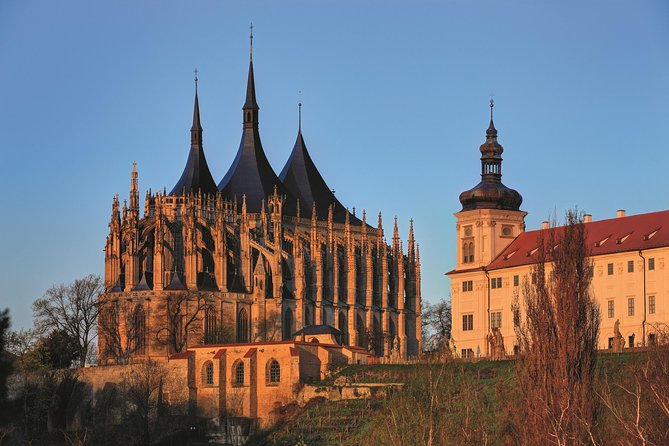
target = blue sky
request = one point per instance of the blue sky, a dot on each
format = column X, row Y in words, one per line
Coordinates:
column 395, row 107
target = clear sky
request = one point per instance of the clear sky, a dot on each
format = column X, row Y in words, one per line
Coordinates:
column 395, row 107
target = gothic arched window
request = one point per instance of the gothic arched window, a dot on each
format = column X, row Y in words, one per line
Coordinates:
column 243, row 326
column 288, row 324
column 208, row 373
column 210, row 325
column 138, row 331
column 273, row 372
column 239, row 373
column 360, row 331
column 343, row 327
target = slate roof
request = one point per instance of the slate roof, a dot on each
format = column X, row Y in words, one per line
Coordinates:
column 318, row 329
column 250, row 173
column 303, row 180
column 624, row 234
column 196, row 175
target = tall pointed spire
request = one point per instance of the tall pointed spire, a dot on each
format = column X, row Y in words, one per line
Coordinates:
column 251, row 105
column 196, row 175
column 196, row 129
column 302, row 179
column 250, row 173
column 134, row 189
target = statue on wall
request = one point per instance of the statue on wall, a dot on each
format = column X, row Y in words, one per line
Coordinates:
column 496, row 345
column 618, row 339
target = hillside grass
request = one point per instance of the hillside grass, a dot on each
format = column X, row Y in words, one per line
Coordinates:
column 474, row 405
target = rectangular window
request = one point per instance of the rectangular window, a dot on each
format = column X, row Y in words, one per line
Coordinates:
column 496, row 319
column 516, row 280
column 467, row 285
column 609, row 269
column 630, row 341
column 496, row 282
column 610, row 342
column 467, row 322
column 610, row 309
column 467, row 353
column 651, row 264
column 630, row 266
column 630, row 306
column 651, row 304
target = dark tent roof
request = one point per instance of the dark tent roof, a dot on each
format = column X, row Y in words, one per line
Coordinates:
column 302, row 179
column 318, row 329
column 176, row 284
column 250, row 173
column 196, row 175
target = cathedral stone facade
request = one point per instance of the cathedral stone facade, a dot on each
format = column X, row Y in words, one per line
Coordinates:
column 255, row 258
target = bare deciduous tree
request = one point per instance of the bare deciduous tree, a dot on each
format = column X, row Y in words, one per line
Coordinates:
column 558, row 338
column 20, row 341
column 115, row 330
column 142, row 384
column 437, row 322
column 182, row 310
column 268, row 328
column 72, row 308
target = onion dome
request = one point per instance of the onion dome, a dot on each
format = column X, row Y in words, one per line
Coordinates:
column 490, row 193
column 303, row 180
column 196, row 176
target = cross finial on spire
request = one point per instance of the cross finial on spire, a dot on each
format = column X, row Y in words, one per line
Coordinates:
column 251, row 37
column 492, row 104
column 299, row 112
column 196, row 71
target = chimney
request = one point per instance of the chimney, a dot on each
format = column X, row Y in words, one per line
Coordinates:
column 545, row 225
column 620, row 213
column 587, row 218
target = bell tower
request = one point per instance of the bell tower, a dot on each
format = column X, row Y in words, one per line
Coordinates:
column 490, row 217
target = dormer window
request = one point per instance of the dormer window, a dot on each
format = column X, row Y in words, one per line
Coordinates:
column 623, row 238
column 602, row 241
column 651, row 235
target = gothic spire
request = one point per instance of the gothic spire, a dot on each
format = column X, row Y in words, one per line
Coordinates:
column 250, row 173
column 196, row 175
column 196, row 129
column 134, row 189
column 251, row 105
column 302, row 178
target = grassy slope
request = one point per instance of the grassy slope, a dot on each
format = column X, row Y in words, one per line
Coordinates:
column 326, row 423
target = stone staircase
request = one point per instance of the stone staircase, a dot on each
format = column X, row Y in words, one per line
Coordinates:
column 324, row 423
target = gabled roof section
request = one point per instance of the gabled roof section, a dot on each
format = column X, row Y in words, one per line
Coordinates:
column 632, row 232
column 303, row 180
column 196, row 176
column 250, row 173
column 318, row 329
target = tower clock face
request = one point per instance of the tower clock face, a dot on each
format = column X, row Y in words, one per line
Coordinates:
column 468, row 231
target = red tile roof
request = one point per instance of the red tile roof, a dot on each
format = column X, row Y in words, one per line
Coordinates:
column 624, row 234
column 182, row 355
column 219, row 353
column 250, row 353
